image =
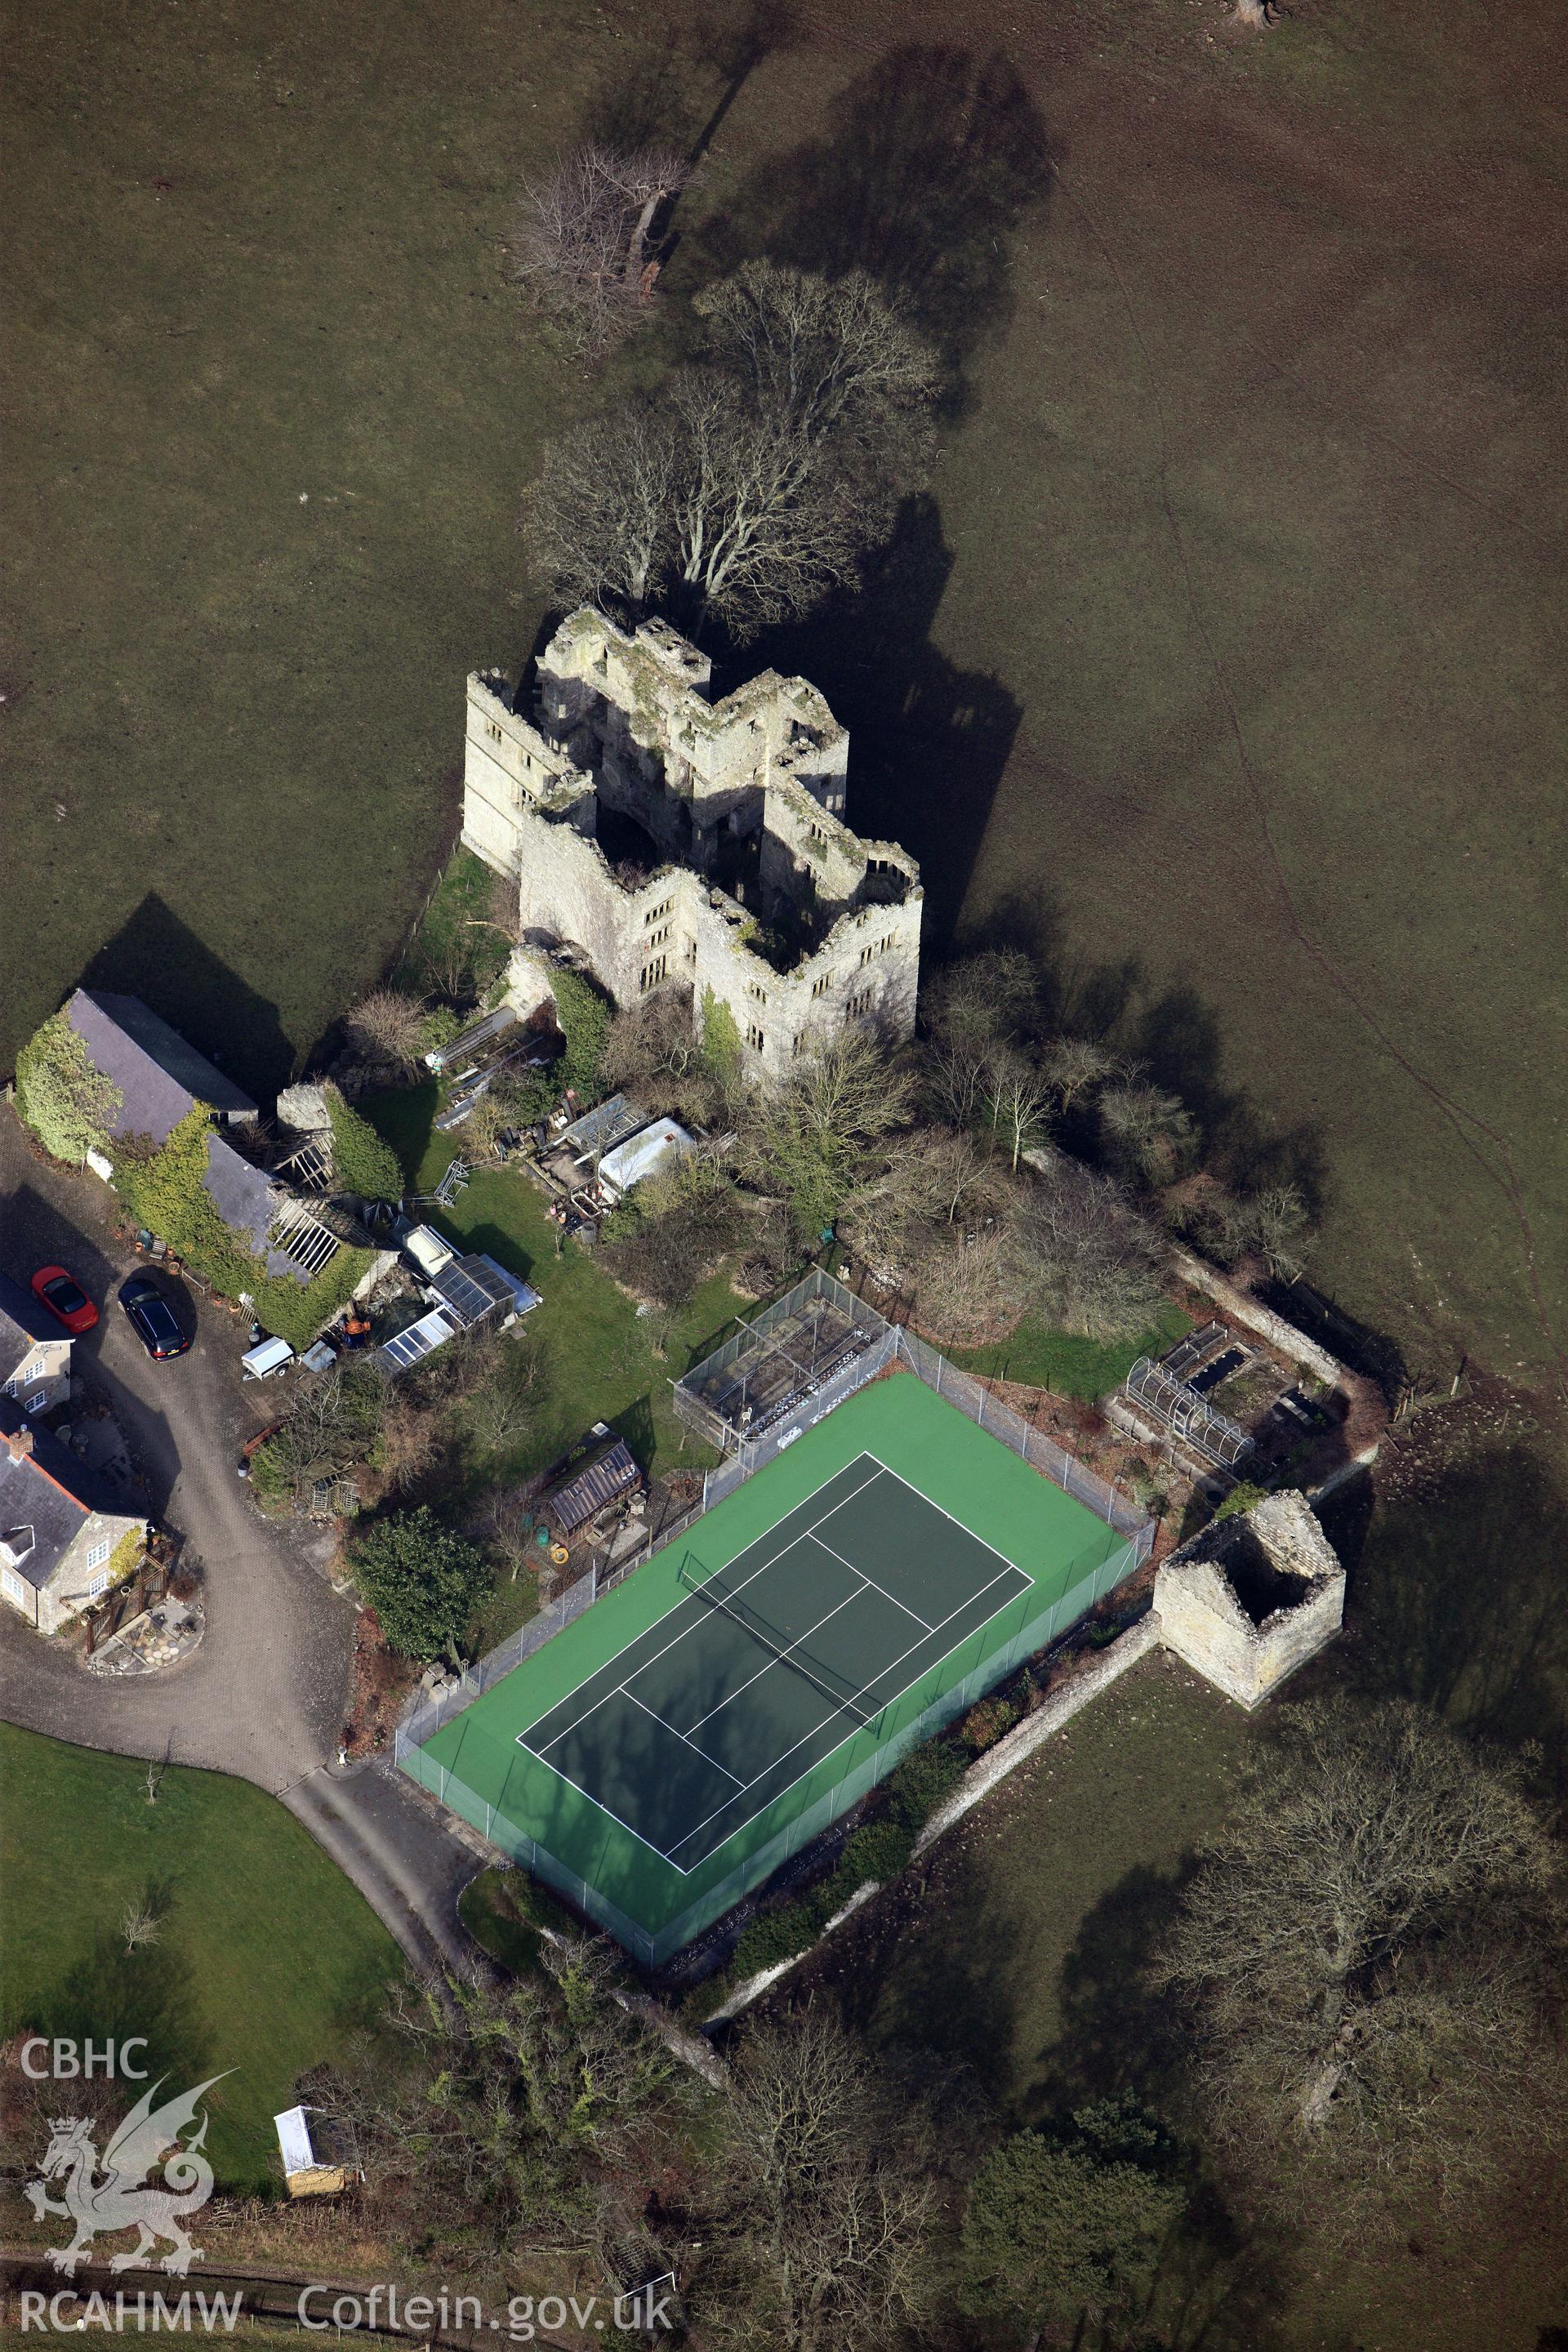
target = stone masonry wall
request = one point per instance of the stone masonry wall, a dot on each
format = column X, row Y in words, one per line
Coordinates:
column 627, row 723
column 1205, row 1622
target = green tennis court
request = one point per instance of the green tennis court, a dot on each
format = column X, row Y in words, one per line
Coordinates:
column 755, row 1678
column 668, row 1748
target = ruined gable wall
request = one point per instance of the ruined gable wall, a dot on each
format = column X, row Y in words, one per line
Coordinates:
column 508, row 767
column 1206, row 1624
column 867, row 971
column 632, row 719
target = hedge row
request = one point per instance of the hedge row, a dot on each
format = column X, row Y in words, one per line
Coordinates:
column 878, row 1850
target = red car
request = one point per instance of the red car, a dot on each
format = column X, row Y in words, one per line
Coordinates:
column 64, row 1297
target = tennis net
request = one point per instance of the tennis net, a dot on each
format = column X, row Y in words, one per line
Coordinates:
column 707, row 1588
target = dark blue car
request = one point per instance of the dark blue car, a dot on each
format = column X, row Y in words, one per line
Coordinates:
column 152, row 1319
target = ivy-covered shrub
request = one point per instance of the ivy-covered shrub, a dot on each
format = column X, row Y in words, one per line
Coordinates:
column 162, row 1188
column 986, row 1721
column 363, row 1161
column 439, row 1028
column 721, row 1041
column 925, row 1779
column 584, row 1014
column 68, row 1104
column 1242, row 1497
column 877, row 1849
column 423, row 1581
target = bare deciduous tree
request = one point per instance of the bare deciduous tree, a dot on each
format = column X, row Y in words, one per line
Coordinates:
column 1149, row 1130
column 964, row 1290
column 1366, row 1958
column 1075, row 1067
column 1082, row 1259
column 507, row 1397
column 1017, row 1102
column 498, row 2118
column 818, row 1138
column 333, row 1420
column 584, row 245
column 137, row 1925
column 599, row 519
column 384, row 1026
column 827, row 2199
column 982, row 1000
column 653, row 1051
column 758, row 482
column 932, row 1181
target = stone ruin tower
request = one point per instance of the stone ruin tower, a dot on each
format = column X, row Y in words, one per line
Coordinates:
column 667, row 840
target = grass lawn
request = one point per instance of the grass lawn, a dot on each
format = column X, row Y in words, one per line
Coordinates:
column 1216, row 662
column 265, row 1957
column 1066, row 1362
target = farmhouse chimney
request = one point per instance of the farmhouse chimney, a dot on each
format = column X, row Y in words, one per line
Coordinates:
column 18, row 1443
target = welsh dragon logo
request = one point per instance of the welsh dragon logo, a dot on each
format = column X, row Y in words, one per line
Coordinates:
column 122, row 2199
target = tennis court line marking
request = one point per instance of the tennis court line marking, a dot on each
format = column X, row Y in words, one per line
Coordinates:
column 610, row 1814
column 869, row 1583
column 781, row 1657
column 1008, row 1569
column 664, row 1725
column 946, row 1514
column 701, row 1617
column 623, row 1690
column 608, row 1811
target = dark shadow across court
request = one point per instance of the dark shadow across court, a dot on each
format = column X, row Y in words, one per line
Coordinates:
column 759, row 1672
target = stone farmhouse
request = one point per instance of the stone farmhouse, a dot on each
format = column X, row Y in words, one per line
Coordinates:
column 670, row 840
column 64, row 1538
column 35, row 1350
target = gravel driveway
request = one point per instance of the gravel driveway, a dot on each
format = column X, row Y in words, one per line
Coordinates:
column 263, row 1696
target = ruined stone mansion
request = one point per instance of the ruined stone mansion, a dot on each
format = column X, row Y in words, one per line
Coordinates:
column 670, row 839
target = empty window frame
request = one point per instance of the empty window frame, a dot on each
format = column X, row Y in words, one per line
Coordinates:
column 754, row 1038
column 654, row 972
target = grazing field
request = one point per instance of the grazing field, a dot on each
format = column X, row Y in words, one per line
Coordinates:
column 265, row 1960
column 1219, row 661
column 1018, row 1950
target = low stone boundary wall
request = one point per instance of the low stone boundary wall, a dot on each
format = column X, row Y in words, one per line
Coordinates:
column 1243, row 1308
column 1059, row 1708
column 1011, row 1750
column 754, row 1986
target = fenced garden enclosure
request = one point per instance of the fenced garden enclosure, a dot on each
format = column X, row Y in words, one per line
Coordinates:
column 800, row 1357
column 777, row 1385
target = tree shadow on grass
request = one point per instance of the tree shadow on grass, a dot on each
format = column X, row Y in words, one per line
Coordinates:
column 1458, row 1600
column 930, row 739
column 1117, row 2034
column 113, row 1995
column 911, row 1976
column 1220, row 2280
column 923, row 169
column 1171, row 1031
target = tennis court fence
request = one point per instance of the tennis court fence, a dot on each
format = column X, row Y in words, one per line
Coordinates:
column 653, row 1949
column 875, row 1346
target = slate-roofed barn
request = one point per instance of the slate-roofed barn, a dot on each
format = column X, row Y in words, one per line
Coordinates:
column 161, row 1079
column 157, row 1072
